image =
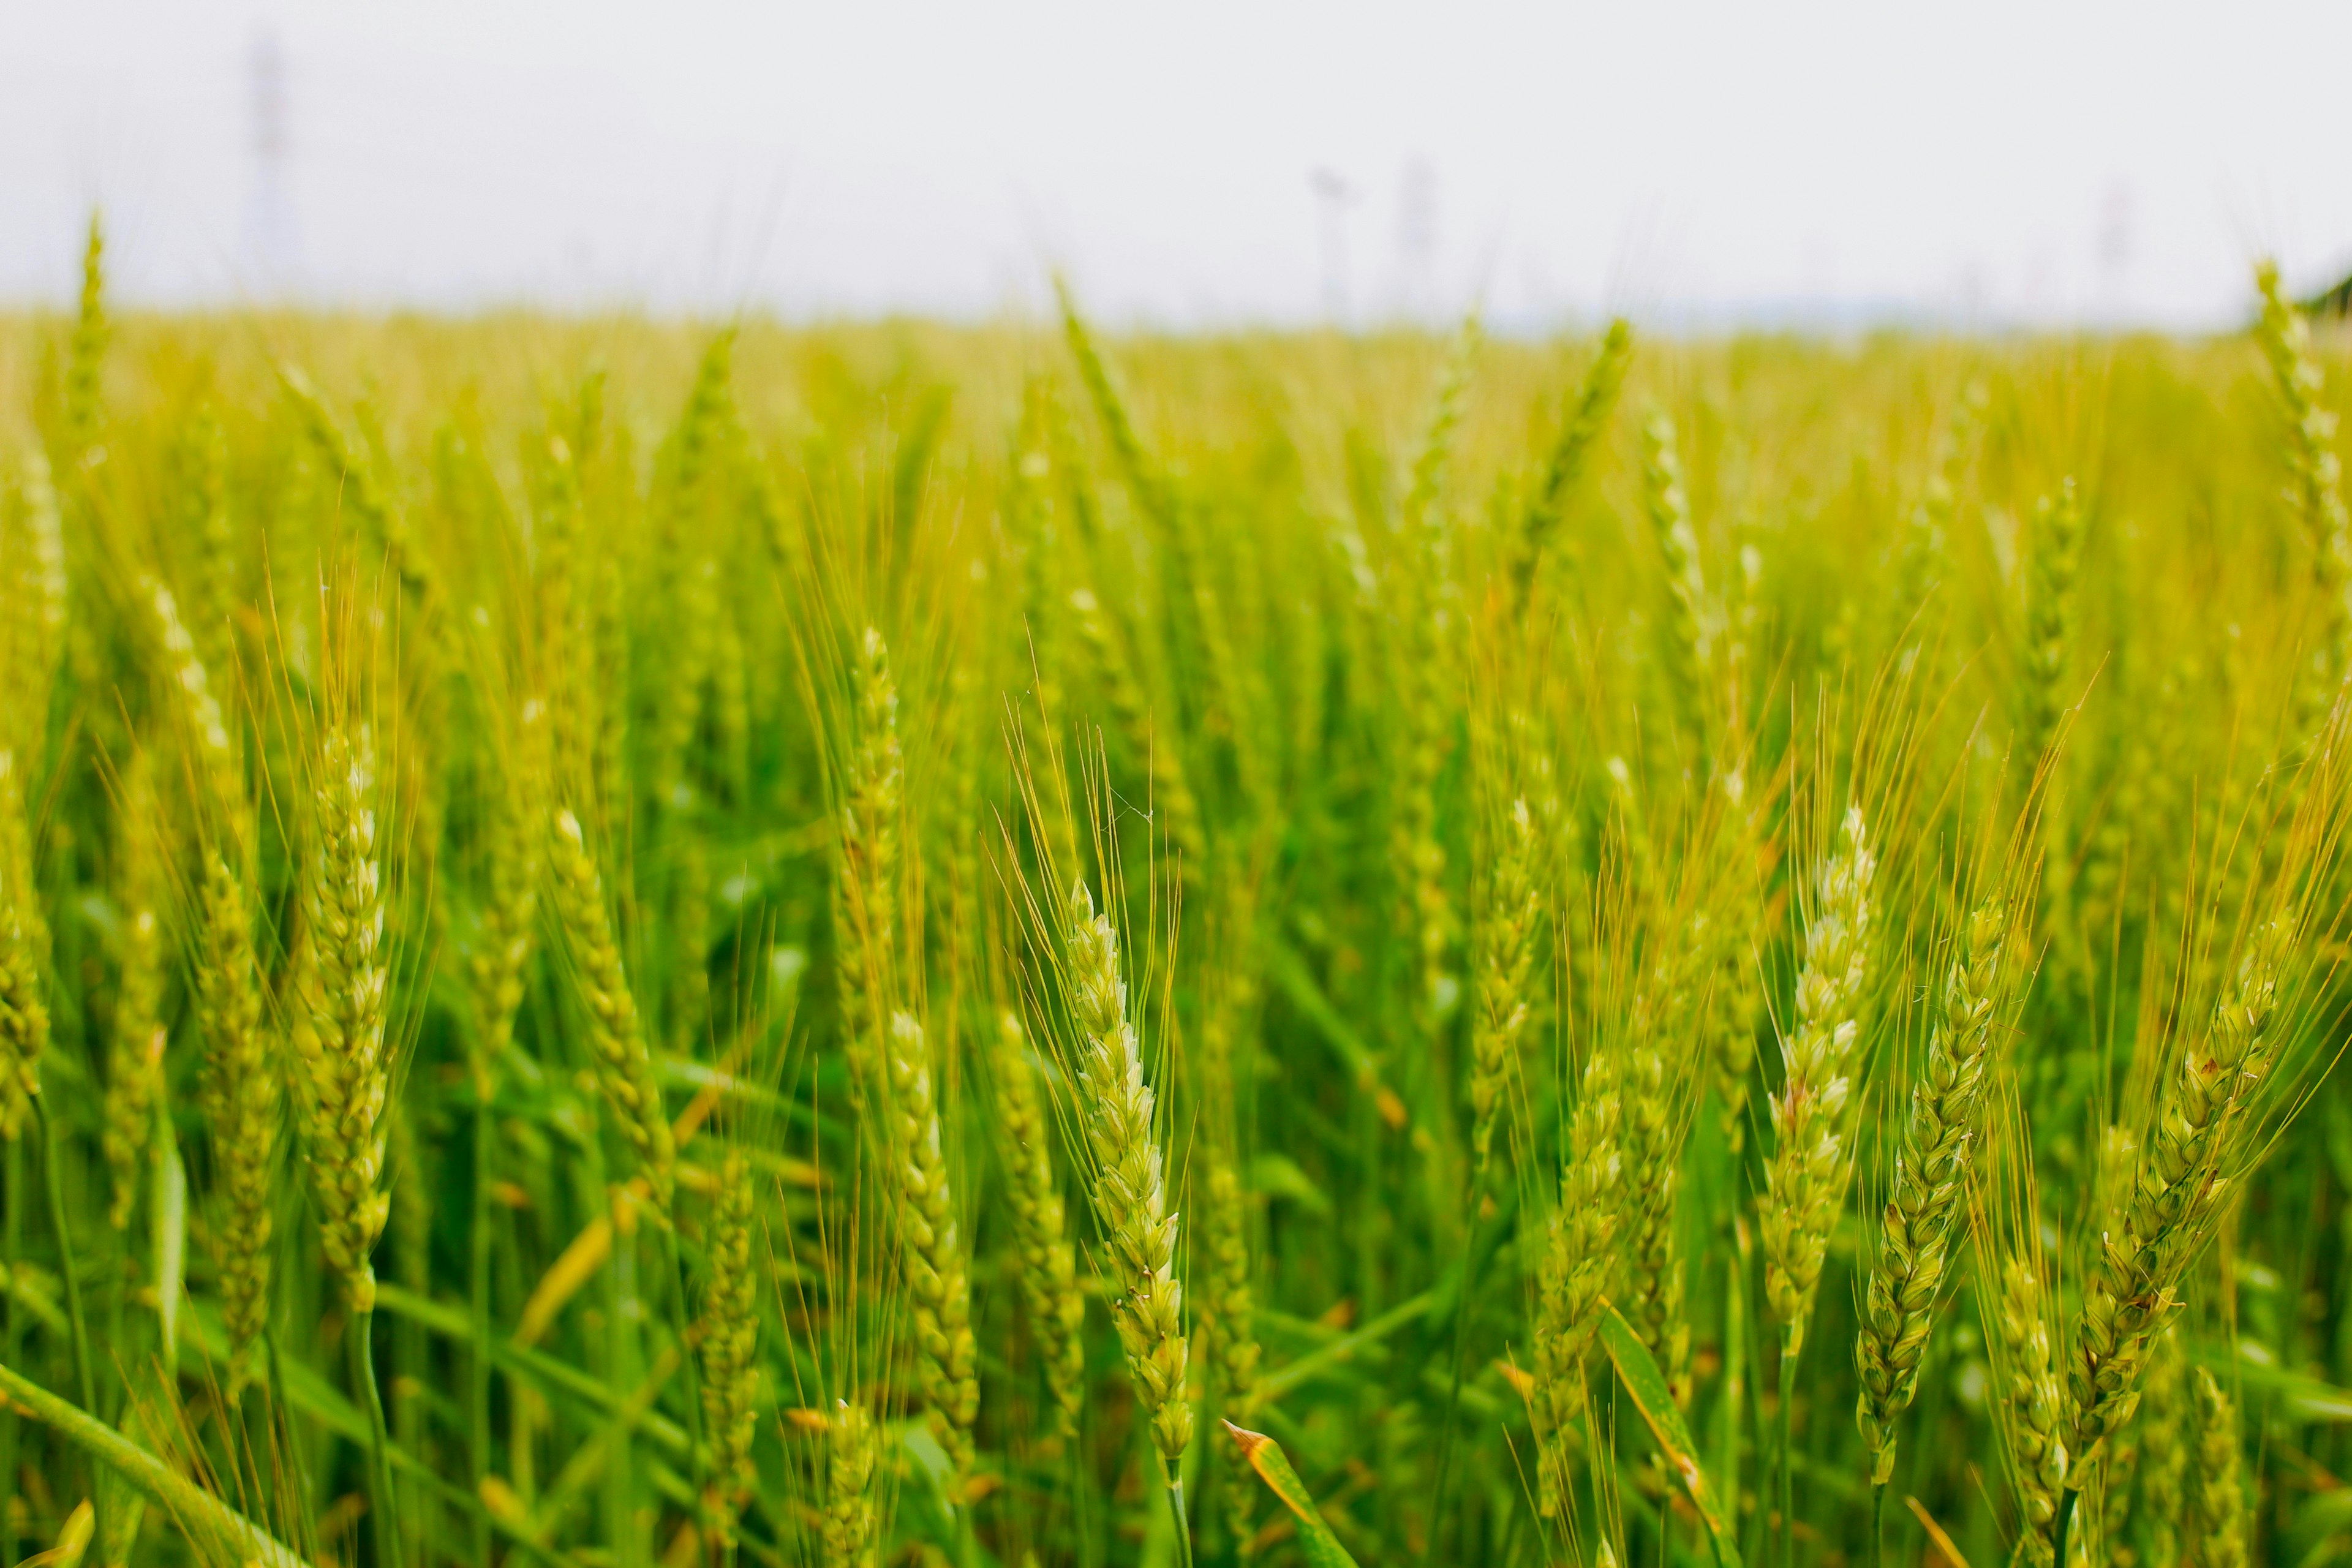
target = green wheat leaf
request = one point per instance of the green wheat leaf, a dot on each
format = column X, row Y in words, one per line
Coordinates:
column 1265, row 1455
column 1638, row 1371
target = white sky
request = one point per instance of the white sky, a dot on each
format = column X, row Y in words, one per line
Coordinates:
column 1707, row 161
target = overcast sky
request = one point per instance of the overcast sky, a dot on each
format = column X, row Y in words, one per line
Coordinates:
column 1213, row 161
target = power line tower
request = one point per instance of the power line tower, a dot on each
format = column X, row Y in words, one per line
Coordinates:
column 272, row 241
column 1417, row 241
column 1333, row 197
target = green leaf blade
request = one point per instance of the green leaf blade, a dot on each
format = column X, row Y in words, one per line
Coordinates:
column 1316, row 1541
column 1647, row 1385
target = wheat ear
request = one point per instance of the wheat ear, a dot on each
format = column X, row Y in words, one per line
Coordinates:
column 134, row 1054
column 243, row 1108
column 1580, row 1263
column 2177, row 1187
column 346, row 1074
column 1173, row 804
column 1130, row 1194
column 1048, row 1264
column 344, row 986
column 1688, row 633
column 729, row 1336
column 1939, row 1135
column 1805, row 1180
column 1506, row 950
column 2316, row 491
column 852, row 1451
column 2032, row 1404
column 511, row 913
column 2165, row 1409
column 2051, row 566
column 24, row 948
column 616, row 1036
column 1579, row 433
column 866, row 887
column 2218, row 1537
column 947, row 1358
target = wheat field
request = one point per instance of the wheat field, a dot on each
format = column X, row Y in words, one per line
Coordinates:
column 630, row 944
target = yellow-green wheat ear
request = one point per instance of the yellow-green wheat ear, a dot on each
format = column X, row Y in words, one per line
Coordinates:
column 86, row 353
column 947, row 1358
column 32, row 610
column 2218, row 1496
column 1805, row 1180
column 1130, row 1196
column 2031, row 1399
column 1580, row 432
column 867, row 885
column 730, row 1341
column 616, row 1036
column 1050, row 1295
column 1688, row 637
column 851, row 1513
column 2052, row 566
column 2316, row 491
column 134, row 1054
column 1507, row 933
column 2167, row 1421
column 24, row 955
column 1581, row 1263
column 345, row 1071
column 1229, row 1304
column 240, row 1096
column 501, row 960
column 2132, row 1292
column 1944, row 1126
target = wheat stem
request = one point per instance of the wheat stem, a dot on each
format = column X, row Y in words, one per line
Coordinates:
column 53, row 1177
column 383, row 1508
